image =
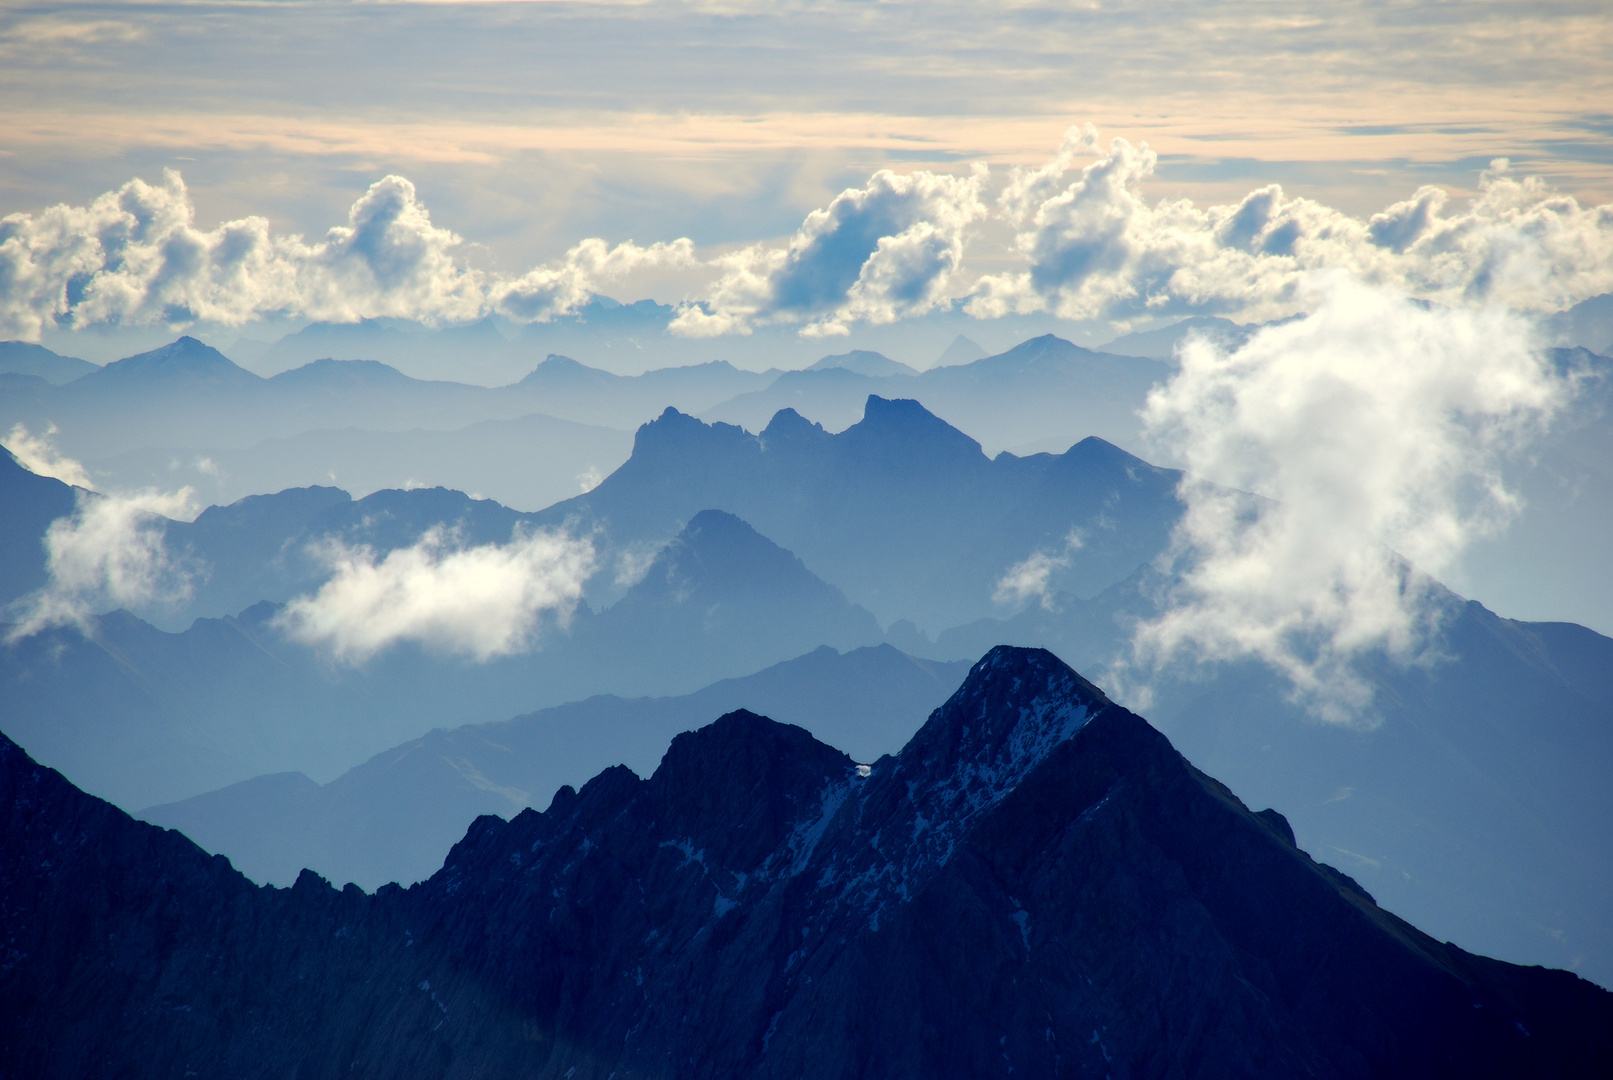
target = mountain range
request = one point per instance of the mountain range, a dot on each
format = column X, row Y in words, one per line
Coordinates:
column 909, row 520
column 901, row 510
column 185, row 415
column 1038, row 883
column 1463, row 798
column 394, row 817
column 31, row 361
column 1042, row 394
column 189, row 396
column 143, row 716
column 915, row 526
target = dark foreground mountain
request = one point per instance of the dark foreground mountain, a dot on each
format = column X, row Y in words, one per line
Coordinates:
column 394, row 817
column 1474, row 800
column 1038, row 885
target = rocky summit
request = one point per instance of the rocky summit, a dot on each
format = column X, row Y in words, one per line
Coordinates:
column 1037, row 885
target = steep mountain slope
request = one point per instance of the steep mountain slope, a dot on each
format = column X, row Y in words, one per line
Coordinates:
column 395, row 817
column 1037, row 885
column 141, row 716
column 1475, row 801
column 28, row 504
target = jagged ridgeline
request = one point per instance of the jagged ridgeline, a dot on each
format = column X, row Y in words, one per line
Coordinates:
column 1037, row 885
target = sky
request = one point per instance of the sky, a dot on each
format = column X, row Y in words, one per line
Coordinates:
column 533, row 153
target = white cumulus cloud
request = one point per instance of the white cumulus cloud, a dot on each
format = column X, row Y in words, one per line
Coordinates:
column 1087, row 244
column 481, row 602
column 109, row 553
column 135, row 256
column 38, row 455
column 879, row 253
column 1032, row 576
column 1095, row 247
column 548, row 291
column 1370, row 434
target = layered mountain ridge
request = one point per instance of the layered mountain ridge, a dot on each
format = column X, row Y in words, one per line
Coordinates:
column 394, row 817
column 1037, row 884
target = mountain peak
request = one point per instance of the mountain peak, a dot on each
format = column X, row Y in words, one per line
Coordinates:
column 674, row 434
column 333, row 373
column 185, row 360
column 864, row 362
column 903, row 427
column 559, row 372
column 737, row 787
column 1015, row 704
column 720, row 554
column 963, row 350
column 788, row 425
column 1014, row 709
column 760, row 907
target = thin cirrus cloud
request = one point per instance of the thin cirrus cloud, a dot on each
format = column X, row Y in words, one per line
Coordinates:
column 480, row 602
column 1086, row 244
column 1370, row 434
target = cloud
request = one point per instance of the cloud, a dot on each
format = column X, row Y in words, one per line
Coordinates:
column 110, row 553
column 881, row 252
column 60, row 31
column 548, row 291
column 1370, row 434
column 135, row 256
column 36, row 454
column 1086, row 244
column 1094, row 247
column 480, row 602
column 1032, row 576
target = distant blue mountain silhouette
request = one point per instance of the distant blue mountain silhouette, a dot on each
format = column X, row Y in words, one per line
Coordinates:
column 142, row 716
column 26, row 358
column 901, row 510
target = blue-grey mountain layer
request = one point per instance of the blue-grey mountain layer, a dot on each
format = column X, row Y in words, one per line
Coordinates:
column 1038, row 885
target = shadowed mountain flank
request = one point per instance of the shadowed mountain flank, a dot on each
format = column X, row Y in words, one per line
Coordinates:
column 1038, row 884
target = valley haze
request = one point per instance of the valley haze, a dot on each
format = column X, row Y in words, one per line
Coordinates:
column 697, row 540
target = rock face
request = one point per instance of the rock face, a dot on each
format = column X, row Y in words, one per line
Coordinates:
column 1037, row 885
